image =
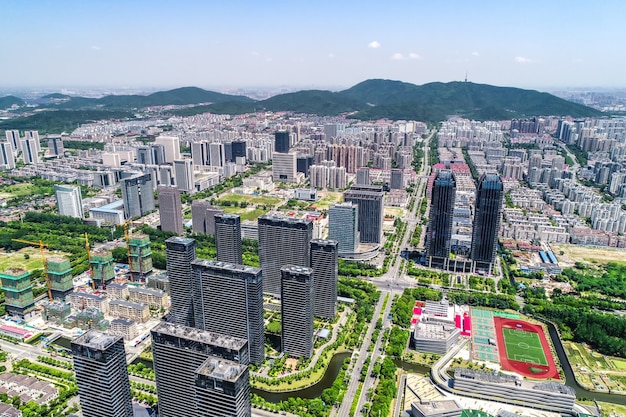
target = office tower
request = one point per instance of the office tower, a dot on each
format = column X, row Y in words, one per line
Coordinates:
column 55, row 146
column 228, row 152
column 200, row 373
column 324, row 259
column 170, row 209
column 140, row 256
column 13, row 137
column 228, row 238
column 296, row 309
column 69, row 201
column 343, row 226
column 158, row 154
column 179, row 252
column 229, row 300
column 101, row 375
column 303, row 163
column 239, row 149
column 439, row 233
column 7, row 155
column 18, row 291
column 397, row 179
column 102, row 268
column 369, row 198
column 60, row 276
column 145, row 155
column 34, row 136
column 489, row 193
column 200, row 153
column 282, row 241
column 29, row 145
column 281, row 141
column 284, row 167
column 203, row 217
column 138, row 195
column 183, row 175
column 217, row 158
column 171, row 145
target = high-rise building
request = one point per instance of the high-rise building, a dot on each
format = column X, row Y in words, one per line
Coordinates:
column 170, row 209
column 7, row 155
column 158, row 153
column 284, row 167
column 282, row 241
column 343, row 226
column 487, row 214
column 439, row 233
column 228, row 238
column 179, row 253
column 13, row 137
column 171, row 146
column 200, row 373
column 55, row 146
column 60, row 276
column 69, row 200
column 239, row 149
column 324, row 263
column 29, row 146
column 101, row 375
column 102, row 268
column 296, row 308
column 217, row 156
column 200, row 153
column 396, row 181
column 138, row 195
column 203, row 217
column 18, row 291
column 369, row 199
column 145, row 156
column 183, row 175
column 140, row 256
column 281, row 141
column 228, row 299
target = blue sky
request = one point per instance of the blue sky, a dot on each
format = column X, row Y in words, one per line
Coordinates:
column 311, row 44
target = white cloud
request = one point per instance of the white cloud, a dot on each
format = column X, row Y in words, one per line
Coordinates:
column 523, row 60
column 397, row 56
column 331, row 56
column 255, row 53
column 475, row 54
column 401, row 57
column 373, row 44
column 95, row 47
column 413, row 55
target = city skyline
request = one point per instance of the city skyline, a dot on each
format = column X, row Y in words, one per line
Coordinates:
column 310, row 45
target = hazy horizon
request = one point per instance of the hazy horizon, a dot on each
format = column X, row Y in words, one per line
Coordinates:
column 163, row 45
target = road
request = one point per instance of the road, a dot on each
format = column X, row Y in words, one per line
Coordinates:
column 391, row 283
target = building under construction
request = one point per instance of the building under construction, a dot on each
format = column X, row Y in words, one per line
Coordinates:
column 18, row 292
column 56, row 311
column 60, row 276
column 140, row 256
column 102, row 268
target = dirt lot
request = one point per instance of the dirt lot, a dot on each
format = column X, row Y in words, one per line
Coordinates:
column 576, row 253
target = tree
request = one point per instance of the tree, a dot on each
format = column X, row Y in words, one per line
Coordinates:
column 120, row 255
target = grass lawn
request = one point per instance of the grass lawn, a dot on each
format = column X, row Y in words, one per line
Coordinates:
column 524, row 347
column 16, row 259
column 395, row 212
column 613, row 409
column 25, row 189
column 619, row 364
column 259, row 200
column 327, row 199
column 244, row 213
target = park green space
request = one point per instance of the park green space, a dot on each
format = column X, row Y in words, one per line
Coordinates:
column 259, row 200
column 397, row 212
column 327, row 199
column 18, row 260
column 25, row 189
column 244, row 213
column 524, row 346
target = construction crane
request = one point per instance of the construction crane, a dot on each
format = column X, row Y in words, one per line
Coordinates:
column 42, row 246
column 93, row 284
column 130, row 261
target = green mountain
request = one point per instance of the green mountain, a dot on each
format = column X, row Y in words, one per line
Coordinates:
column 56, row 96
column 7, row 101
column 179, row 96
column 57, row 121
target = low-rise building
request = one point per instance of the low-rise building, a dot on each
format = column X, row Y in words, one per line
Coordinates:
column 129, row 310
column 124, row 327
column 84, row 300
column 151, row 297
column 117, row 291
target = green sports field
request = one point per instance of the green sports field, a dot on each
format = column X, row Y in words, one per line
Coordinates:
column 524, row 346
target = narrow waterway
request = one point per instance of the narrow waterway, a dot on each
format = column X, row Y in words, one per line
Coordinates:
column 569, row 374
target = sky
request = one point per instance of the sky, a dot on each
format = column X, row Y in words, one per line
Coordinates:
column 311, row 44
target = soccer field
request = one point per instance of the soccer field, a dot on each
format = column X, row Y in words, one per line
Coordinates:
column 524, row 346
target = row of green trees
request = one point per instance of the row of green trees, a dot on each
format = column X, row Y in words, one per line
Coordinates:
column 402, row 308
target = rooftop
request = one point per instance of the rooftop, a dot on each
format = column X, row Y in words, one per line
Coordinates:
column 206, row 263
column 201, row 336
column 221, row 369
column 95, row 340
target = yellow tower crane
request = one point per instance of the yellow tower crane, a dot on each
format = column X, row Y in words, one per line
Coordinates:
column 42, row 246
column 93, row 284
column 130, row 261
